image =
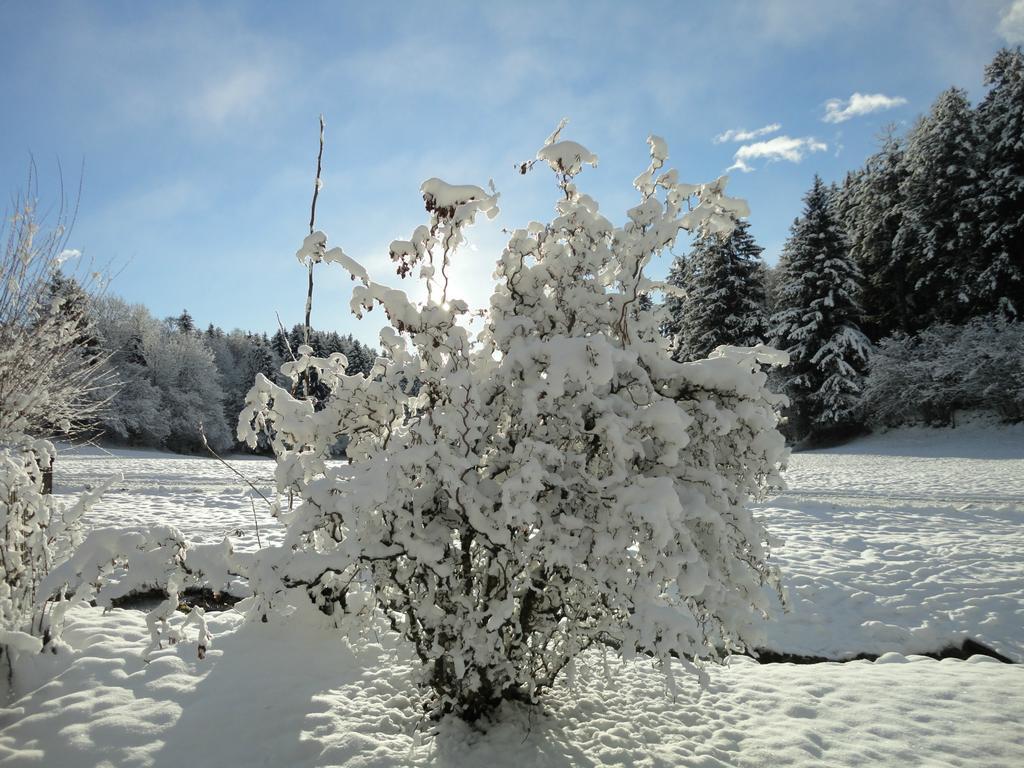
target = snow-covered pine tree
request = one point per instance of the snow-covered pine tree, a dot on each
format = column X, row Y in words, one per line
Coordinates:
column 1000, row 277
column 939, row 234
column 557, row 483
column 871, row 218
column 817, row 323
column 725, row 298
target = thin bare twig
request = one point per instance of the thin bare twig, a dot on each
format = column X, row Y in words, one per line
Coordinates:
column 284, row 333
column 312, row 224
column 316, row 186
column 208, row 447
column 255, row 522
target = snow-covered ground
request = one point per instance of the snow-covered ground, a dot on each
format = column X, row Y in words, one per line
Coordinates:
column 198, row 495
column 899, row 543
column 908, row 541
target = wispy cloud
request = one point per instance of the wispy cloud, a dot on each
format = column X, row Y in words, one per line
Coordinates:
column 1011, row 24
column 228, row 94
column 738, row 134
column 839, row 111
column 787, row 148
column 159, row 202
column 192, row 65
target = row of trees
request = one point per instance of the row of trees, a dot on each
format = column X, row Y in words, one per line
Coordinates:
column 174, row 377
column 935, row 218
column 924, row 242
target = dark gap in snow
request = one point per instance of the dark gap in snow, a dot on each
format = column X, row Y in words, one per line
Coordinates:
column 204, row 598
column 963, row 651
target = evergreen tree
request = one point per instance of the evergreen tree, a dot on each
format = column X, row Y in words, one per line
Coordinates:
column 817, row 323
column 674, row 302
column 724, row 295
column 939, row 235
column 279, row 345
column 184, row 322
column 1000, row 277
column 872, row 216
column 768, row 276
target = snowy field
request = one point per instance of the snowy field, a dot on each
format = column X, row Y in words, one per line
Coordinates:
column 897, row 544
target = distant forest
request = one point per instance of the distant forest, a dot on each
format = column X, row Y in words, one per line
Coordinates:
column 172, row 376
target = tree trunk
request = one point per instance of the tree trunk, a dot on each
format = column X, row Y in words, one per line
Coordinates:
column 48, row 478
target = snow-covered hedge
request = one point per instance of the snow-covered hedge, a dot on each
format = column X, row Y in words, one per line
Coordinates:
column 555, row 481
column 945, row 368
column 35, row 531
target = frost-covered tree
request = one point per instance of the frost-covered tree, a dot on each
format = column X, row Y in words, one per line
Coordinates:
column 816, row 322
column 1000, row 277
column 171, row 383
column 556, row 482
column 182, row 367
column 928, row 377
column 725, row 298
column 939, row 238
column 135, row 416
column 47, row 388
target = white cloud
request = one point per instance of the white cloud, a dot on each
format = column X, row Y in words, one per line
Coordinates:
column 1011, row 25
column 786, row 148
column 838, row 111
column 738, row 134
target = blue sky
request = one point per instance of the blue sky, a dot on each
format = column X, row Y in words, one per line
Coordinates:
column 195, row 124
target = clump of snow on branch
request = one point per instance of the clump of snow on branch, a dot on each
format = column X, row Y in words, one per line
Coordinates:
column 553, row 483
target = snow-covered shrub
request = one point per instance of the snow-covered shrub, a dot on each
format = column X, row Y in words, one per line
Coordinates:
column 110, row 564
column 36, row 530
column 931, row 375
column 47, row 386
column 557, row 481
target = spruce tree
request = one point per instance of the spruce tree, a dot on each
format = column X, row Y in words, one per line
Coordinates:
column 672, row 316
column 279, row 344
column 1000, row 277
column 939, row 234
column 184, row 322
column 872, row 217
column 817, row 323
column 725, row 297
